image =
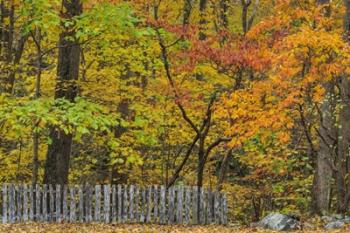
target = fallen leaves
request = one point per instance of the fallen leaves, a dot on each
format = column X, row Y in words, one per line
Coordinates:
column 134, row 228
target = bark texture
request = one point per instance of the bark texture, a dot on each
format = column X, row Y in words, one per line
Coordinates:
column 58, row 155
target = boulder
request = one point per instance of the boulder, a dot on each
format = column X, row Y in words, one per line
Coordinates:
column 279, row 222
column 335, row 222
column 334, row 225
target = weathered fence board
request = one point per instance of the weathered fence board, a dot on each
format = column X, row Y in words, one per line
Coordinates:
column 112, row 203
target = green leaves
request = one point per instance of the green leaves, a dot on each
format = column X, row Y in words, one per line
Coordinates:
column 40, row 14
column 105, row 17
column 79, row 118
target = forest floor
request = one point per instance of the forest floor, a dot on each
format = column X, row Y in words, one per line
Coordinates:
column 136, row 228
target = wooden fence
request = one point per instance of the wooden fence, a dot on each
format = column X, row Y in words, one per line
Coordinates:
column 116, row 203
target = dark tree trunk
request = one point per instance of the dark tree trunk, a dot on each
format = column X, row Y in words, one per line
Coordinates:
column 187, row 12
column 202, row 21
column 58, row 154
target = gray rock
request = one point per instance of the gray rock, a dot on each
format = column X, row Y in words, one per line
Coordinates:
column 334, row 225
column 328, row 219
column 279, row 222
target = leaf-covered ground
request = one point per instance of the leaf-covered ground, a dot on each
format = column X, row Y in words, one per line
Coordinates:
column 135, row 228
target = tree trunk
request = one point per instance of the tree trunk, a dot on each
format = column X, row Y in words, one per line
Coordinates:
column 202, row 21
column 187, row 12
column 343, row 162
column 326, row 153
column 58, row 154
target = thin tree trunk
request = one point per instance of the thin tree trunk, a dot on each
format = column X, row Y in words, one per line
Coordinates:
column 36, row 136
column 187, row 12
column 58, row 154
column 202, row 21
column 223, row 170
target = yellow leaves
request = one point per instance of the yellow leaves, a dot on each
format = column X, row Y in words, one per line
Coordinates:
column 241, row 194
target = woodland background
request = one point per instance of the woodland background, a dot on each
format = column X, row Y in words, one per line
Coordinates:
column 245, row 96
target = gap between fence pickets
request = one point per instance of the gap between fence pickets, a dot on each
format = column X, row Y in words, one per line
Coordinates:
column 112, row 203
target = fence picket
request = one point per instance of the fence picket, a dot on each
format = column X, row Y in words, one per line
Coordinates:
column 52, row 203
column 31, row 198
column 179, row 205
column 137, row 203
column 171, row 206
column 201, row 206
column 65, row 216
column 97, row 202
column 72, row 205
column 188, row 191
column 216, row 208
column 120, row 206
column 114, row 203
column 224, row 210
column 38, row 215
column 149, row 204
column 81, row 203
column 11, row 203
column 58, row 203
column 106, row 208
column 155, row 203
column 88, row 203
column 195, row 205
column 131, row 203
column 44, row 202
column 209, row 207
column 4, row 204
column 125, row 203
column 162, row 205
column 143, row 205
column 25, row 203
